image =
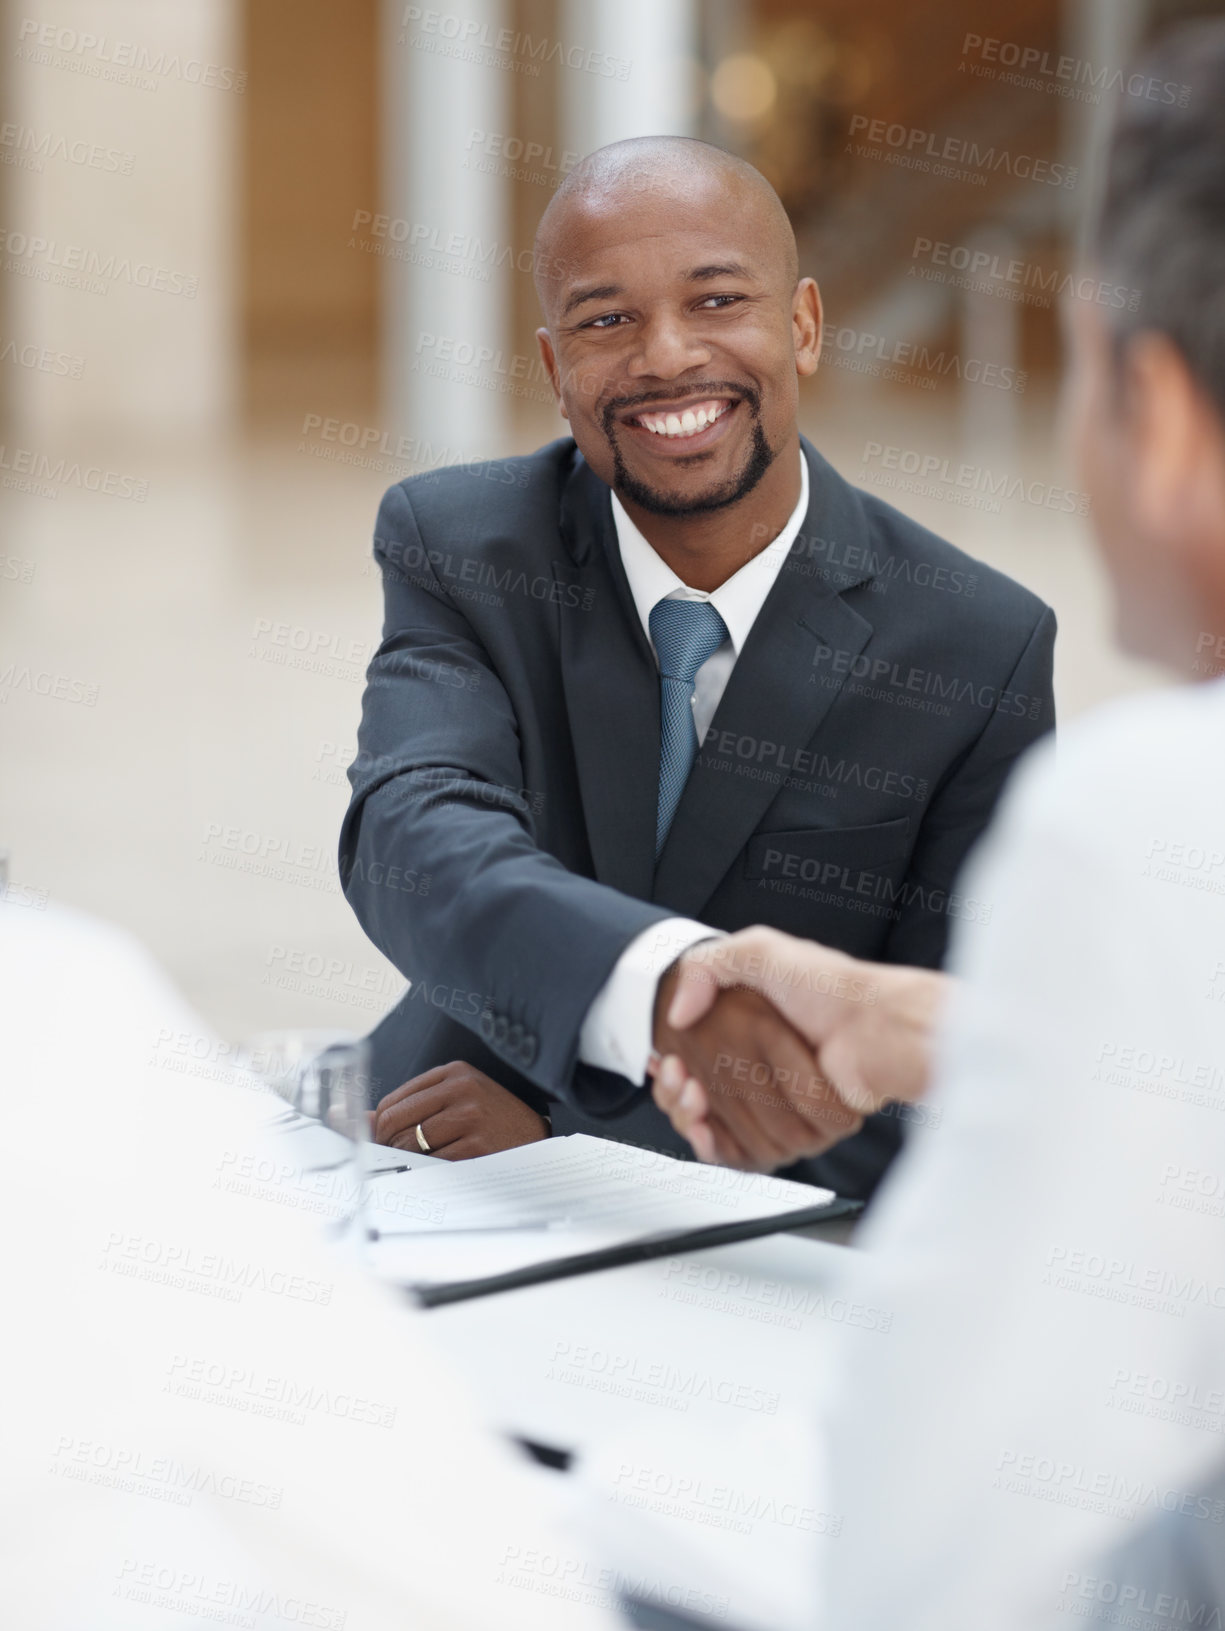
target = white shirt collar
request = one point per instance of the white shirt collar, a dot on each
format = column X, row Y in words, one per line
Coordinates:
column 737, row 601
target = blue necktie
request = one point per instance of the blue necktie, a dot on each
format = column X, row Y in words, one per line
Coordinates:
column 686, row 633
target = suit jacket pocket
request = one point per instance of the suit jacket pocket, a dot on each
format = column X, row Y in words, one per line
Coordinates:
column 803, row 852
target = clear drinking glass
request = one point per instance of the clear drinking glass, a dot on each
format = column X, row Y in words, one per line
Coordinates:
column 323, row 1125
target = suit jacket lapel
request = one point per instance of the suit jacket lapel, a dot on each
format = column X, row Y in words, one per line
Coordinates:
column 611, row 687
column 779, row 692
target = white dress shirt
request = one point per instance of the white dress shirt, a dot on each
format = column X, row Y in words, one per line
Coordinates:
column 209, row 1417
column 1051, row 1246
column 617, row 1032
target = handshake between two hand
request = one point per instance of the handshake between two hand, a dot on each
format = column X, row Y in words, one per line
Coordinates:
column 769, row 1048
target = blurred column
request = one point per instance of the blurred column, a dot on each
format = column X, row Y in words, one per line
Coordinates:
column 726, row 31
column 445, row 295
column 653, row 50
column 990, row 336
column 120, row 174
column 1103, row 34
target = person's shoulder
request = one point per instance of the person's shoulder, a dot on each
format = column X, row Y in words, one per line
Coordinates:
column 1100, row 885
column 485, row 493
column 904, row 555
column 912, row 553
column 1167, row 734
column 1147, row 762
column 51, row 936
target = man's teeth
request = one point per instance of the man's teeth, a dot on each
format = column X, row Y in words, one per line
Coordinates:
column 684, row 424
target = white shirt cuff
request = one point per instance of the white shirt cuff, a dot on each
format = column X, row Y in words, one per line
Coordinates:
column 618, row 1032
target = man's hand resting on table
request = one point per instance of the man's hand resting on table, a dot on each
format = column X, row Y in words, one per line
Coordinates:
column 867, row 1027
column 763, row 1102
column 461, row 1111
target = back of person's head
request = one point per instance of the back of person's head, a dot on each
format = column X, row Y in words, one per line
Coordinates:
column 1160, row 229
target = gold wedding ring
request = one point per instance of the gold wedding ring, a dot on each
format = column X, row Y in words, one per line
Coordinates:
column 421, row 1140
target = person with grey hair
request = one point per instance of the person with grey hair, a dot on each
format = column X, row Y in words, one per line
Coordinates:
column 1038, row 1440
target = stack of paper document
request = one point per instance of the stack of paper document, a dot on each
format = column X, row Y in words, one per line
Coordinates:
column 444, row 1220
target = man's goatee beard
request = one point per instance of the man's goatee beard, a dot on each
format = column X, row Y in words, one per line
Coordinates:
column 716, row 498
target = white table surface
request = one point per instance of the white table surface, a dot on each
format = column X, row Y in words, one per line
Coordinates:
column 683, row 1387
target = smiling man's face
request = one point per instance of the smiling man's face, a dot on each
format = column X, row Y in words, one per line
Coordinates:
column 673, row 338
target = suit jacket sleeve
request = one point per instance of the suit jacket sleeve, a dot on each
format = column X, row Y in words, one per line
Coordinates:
column 438, row 852
column 963, row 805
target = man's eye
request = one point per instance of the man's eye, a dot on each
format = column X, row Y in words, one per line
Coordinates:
column 607, row 320
column 728, row 298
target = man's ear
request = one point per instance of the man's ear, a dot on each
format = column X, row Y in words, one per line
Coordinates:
column 807, row 322
column 1179, row 458
column 548, row 357
column 1164, row 412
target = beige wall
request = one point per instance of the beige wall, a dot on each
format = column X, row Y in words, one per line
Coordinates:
column 123, row 165
column 309, row 161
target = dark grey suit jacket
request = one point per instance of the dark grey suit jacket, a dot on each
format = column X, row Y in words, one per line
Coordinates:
column 499, row 847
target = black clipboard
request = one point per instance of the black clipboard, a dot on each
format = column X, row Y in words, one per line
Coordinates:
column 640, row 1249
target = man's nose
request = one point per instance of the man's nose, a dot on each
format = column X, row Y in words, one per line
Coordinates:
column 666, row 347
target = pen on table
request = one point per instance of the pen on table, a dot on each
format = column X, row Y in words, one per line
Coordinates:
column 473, row 1229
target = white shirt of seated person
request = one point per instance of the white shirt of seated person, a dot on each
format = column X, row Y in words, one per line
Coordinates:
column 207, row 1409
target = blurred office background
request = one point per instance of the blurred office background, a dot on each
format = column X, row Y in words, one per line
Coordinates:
column 261, row 258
